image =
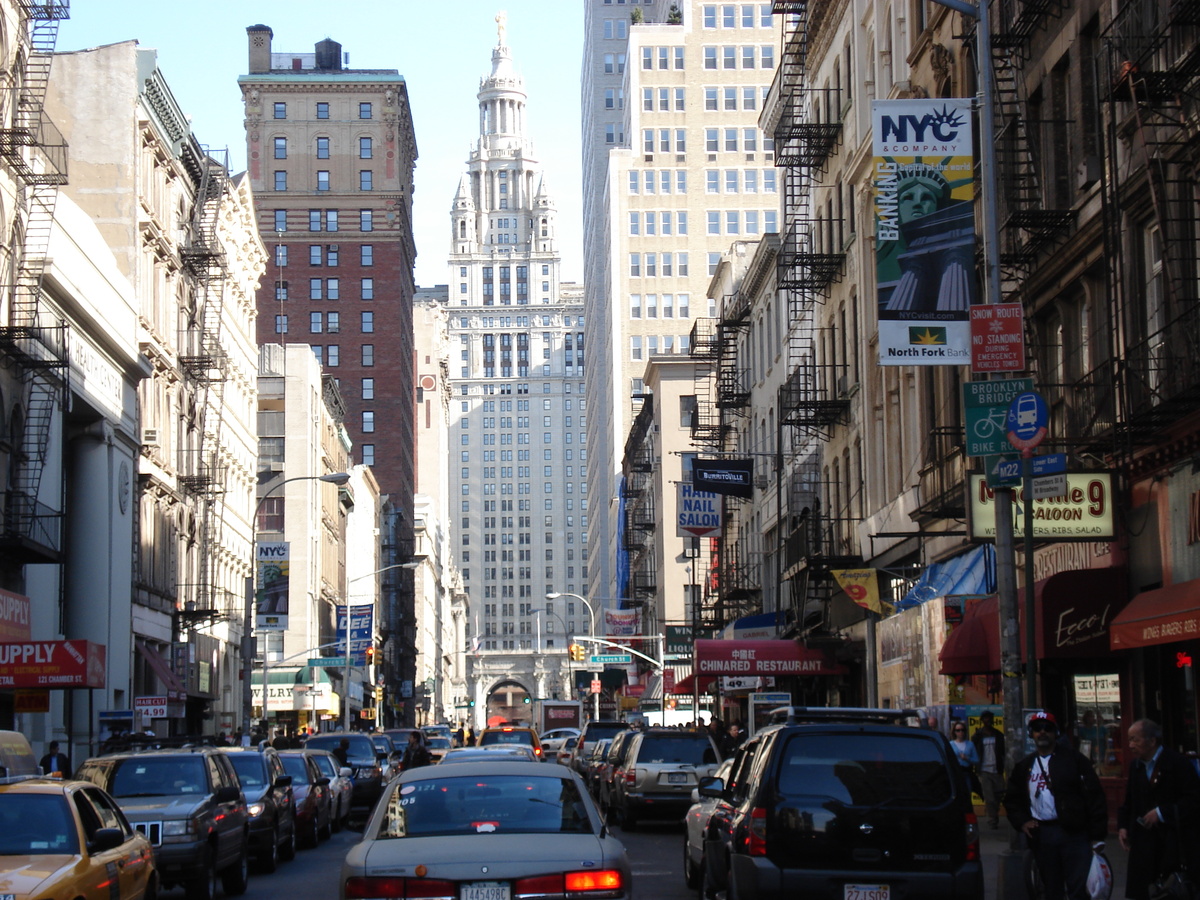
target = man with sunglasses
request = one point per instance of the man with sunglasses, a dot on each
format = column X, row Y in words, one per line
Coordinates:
column 1055, row 799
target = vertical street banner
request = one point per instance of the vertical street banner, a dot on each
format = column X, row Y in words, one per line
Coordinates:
column 362, row 632
column 924, row 201
column 271, row 597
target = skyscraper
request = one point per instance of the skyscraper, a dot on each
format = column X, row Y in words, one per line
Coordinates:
column 331, row 153
column 674, row 172
column 517, row 407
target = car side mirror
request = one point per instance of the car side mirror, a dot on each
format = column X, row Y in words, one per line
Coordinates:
column 283, row 781
column 711, row 786
column 106, row 839
column 345, row 771
column 228, row 794
column 322, row 781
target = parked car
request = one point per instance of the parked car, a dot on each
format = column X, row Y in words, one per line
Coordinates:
column 593, row 731
column 562, row 756
column 553, row 740
column 364, row 766
column 511, row 734
column 443, row 731
column 695, row 826
column 617, row 749
column 594, row 767
column 314, row 803
column 659, row 771
column 268, row 791
column 843, row 801
column 498, row 753
column 437, row 745
column 341, row 786
column 486, row 829
column 189, row 804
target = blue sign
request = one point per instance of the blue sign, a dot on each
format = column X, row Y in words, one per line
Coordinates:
column 1008, row 469
column 1028, row 418
column 361, row 632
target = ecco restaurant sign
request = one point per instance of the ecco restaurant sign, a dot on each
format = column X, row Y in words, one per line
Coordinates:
column 52, row 664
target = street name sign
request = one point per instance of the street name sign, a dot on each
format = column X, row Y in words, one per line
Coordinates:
column 328, row 661
column 603, row 659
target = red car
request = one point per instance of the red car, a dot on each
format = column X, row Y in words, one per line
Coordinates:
column 312, row 796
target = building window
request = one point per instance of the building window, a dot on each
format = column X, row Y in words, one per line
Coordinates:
column 364, row 110
column 368, row 454
column 331, row 255
column 281, row 148
column 280, row 180
column 368, row 289
column 368, row 355
column 322, row 148
column 331, row 223
column 333, row 289
column 314, row 220
column 367, row 255
column 281, row 325
column 280, row 220
column 281, row 290
column 314, row 254
column 365, row 221
column 315, row 323
column 368, row 421
column 364, row 148
column 322, row 180
column 365, row 180
column 368, row 322
column 281, row 110
column 322, row 110
column 281, row 255
column 333, row 355
column 333, row 322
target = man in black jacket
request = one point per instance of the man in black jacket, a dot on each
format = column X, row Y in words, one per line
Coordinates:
column 1055, row 799
column 989, row 744
column 1162, row 802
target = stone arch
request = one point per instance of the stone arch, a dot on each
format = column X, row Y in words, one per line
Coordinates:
column 504, row 699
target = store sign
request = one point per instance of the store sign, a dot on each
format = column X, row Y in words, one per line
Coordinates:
column 777, row 657
column 151, row 707
column 1098, row 688
column 52, row 664
column 14, row 617
column 1084, row 512
column 698, row 512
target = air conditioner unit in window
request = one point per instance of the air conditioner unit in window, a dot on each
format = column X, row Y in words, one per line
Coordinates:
column 149, row 437
column 649, row 157
column 332, row 248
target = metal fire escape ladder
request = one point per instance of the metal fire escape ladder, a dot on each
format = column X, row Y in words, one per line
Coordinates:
column 37, row 342
column 205, row 365
column 1029, row 226
column 704, row 346
column 1153, row 59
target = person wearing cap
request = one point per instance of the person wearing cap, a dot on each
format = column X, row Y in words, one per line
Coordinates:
column 1055, row 799
column 1162, row 802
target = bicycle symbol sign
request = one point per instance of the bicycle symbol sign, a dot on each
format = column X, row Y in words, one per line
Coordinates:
column 986, row 406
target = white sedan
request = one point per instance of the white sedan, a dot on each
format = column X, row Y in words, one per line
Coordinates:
column 464, row 832
column 554, row 740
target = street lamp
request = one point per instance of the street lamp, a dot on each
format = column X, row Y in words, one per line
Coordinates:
column 338, row 478
column 554, row 595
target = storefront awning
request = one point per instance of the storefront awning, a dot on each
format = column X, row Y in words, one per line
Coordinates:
column 1161, row 616
column 778, row 657
column 164, row 672
column 685, row 687
column 973, row 572
column 1072, row 609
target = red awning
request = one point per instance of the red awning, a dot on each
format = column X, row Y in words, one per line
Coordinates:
column 773, row 657
column 684, row 687
column 169, row 679
column 1073, row 611
column 1161, row 616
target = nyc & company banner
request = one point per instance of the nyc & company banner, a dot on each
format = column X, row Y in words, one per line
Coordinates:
column 925, row 230
column 271, row 599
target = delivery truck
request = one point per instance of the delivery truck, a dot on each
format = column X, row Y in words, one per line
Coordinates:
column 549, row 714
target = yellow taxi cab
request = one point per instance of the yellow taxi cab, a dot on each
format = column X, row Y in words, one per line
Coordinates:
column 66, row 839
column 507, row 735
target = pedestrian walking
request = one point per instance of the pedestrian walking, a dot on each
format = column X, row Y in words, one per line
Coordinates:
column 415, row 754
column 989, row 746
column 1157, row 821
column 55, row 763
column 1055, row 799
column 966, row 754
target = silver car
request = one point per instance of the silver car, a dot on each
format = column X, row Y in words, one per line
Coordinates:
column 696, row 823
column 482, row 830
column 341, row 787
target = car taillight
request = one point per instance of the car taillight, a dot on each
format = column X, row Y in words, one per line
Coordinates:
column 604, row 880
column 756, row 832
column 972, row 836
column 630, row 777
column 366, row 888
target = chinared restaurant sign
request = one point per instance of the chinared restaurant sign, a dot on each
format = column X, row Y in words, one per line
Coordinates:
column 772, row 657
column 52, row 664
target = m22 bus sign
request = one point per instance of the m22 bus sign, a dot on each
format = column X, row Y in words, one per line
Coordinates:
column 699, row 512
column 1083, row 513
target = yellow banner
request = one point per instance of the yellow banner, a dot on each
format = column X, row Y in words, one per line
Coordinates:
column 862, row 586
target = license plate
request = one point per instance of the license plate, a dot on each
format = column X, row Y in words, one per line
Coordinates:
column 867, row 892
column 485, row 890
column 677, row 778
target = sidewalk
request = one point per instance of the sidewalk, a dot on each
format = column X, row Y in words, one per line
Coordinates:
column 994, row 843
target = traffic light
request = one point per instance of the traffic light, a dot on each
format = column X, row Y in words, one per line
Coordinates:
column 370, row 655
column 577, row 652
column 525, row 699
column 470, row 703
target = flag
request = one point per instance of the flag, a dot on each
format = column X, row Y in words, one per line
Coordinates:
column 862, row 586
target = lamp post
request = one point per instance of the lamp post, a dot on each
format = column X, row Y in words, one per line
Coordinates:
column 338, row 478
column 554, row 595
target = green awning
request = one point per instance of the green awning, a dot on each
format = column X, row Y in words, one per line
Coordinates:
column 293, row 675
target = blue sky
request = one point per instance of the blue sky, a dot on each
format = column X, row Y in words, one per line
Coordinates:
column 441, row 47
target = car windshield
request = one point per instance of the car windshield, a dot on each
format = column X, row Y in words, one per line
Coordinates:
column 485, row 804
column 597, row 730
column 360, row 745
column 437, row 743
column 155, row 776
column 249, row 768
column 687, row 749
column 862, row 770
column 382, row 744
column 325, row 764
column 36, row 824
column 294, row 766
column 506, row 737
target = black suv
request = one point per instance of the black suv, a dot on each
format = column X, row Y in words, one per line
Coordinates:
column 268, row 791
column 189, row 804
column 365, row 766
column 840, row 803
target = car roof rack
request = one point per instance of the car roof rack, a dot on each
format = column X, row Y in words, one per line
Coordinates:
column 803, row 715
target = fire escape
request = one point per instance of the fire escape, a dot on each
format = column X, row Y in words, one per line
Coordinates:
column 816, row 394
column 1151, row 88
column 32, row 340
column 205, row 366
column 640, row 513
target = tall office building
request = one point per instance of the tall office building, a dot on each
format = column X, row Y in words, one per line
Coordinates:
column 518, row 472
column 675, row 169
column 331, row 153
